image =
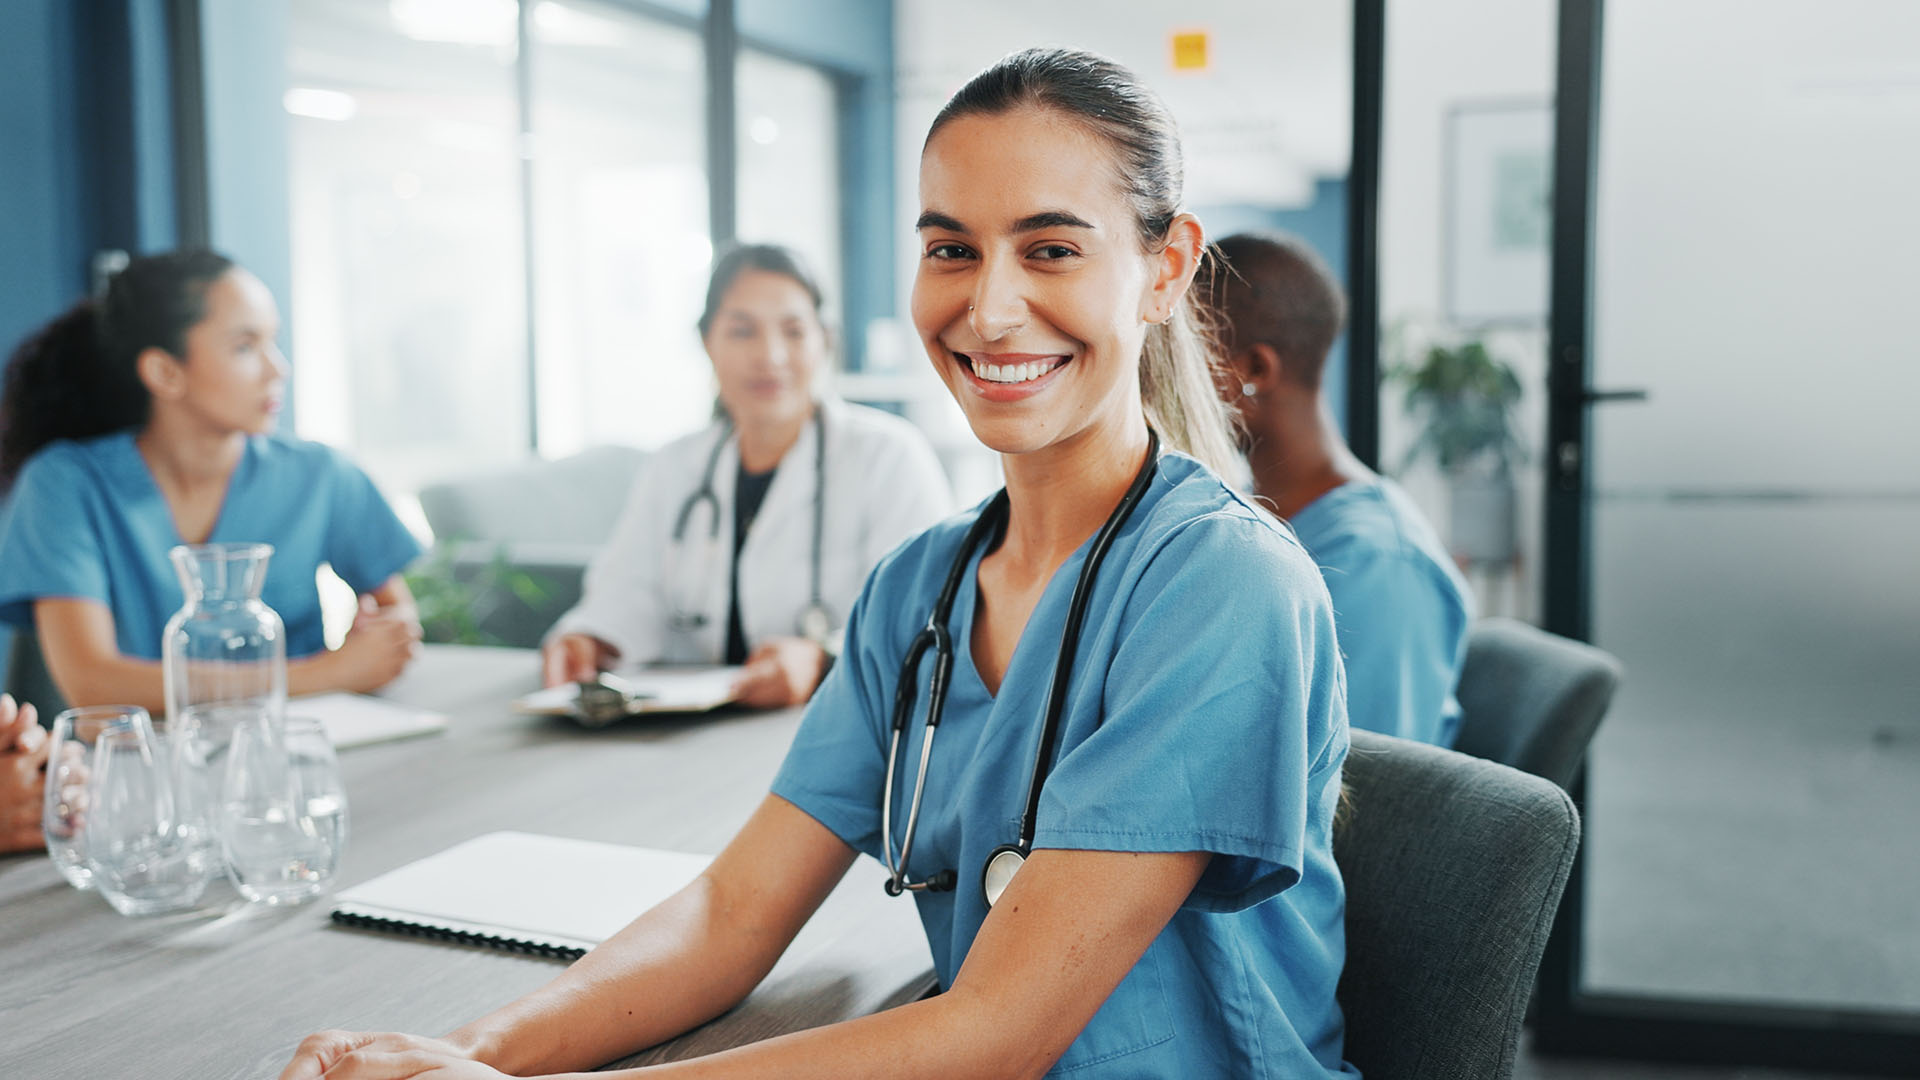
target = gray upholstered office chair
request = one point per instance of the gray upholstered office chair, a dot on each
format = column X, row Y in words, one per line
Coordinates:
column 1453, row 868
column 1531, row 699
column 542, row 519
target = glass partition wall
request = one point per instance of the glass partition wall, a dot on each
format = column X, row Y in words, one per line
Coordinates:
column 1736, row 489
column 406, row 237
column 619, row 226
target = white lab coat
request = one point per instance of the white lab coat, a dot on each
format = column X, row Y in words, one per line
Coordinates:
column 883, row 485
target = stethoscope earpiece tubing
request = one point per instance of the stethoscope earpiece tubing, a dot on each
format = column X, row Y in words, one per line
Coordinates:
column 707, row 493
column 936, row 636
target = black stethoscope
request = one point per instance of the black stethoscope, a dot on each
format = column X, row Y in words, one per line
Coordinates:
column 816, row 622
column 1006, row 859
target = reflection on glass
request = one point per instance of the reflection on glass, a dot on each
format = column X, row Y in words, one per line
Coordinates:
column 408, row 298
column 1466, row 150
column 620, row 220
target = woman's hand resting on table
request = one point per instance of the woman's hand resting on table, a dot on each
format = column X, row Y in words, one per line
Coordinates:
column 574, row 658
column 365, row 1055
column 781, row 672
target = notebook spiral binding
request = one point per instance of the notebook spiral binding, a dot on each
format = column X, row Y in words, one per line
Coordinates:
column 460, row 937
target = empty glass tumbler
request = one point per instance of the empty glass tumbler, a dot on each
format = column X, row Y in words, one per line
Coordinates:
column 225, row 661
column 140, row 860
column 63, row 818
column 283, row 817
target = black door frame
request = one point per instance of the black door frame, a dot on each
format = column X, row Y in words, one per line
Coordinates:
column 1363, row 231
column 1568, row 1020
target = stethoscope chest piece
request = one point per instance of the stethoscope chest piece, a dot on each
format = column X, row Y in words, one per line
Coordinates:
column 816, row 625
column 1006, row 861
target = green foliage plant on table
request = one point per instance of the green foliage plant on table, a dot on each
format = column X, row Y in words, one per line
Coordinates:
column 455, row 604
column 1466, row 396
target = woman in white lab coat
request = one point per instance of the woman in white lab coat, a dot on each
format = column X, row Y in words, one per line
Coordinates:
column 746, row 542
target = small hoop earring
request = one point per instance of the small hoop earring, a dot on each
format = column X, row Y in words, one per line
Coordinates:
column 1246, row 389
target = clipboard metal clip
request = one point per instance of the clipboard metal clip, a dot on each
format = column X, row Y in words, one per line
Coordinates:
column 606, row 698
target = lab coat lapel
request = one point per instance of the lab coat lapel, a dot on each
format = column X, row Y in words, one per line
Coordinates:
column 776, row 565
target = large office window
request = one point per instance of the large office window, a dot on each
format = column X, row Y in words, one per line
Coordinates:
column 788, row 142
column 500, row 221
column 409, row 335
column 620, row 226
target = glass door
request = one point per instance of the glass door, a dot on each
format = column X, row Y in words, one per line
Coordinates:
column 1745, row 535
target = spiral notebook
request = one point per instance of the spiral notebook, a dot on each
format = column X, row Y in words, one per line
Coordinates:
column 544, row 895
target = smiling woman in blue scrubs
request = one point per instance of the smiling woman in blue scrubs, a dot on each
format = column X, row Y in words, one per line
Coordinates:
column 144, row 421
column 1179, row 912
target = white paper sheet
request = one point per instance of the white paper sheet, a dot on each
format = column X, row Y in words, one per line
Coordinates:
column 356, row 719
column 518, row 887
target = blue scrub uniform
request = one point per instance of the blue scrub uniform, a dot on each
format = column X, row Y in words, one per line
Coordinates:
column 1207, row 713
column 86, row 520
column 1402, row 607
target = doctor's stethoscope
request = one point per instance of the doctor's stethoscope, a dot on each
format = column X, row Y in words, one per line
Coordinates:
column 1006, row 859
column 815, row 622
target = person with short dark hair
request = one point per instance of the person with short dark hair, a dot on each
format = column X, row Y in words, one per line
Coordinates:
column 146, row 420
column 1400, row 603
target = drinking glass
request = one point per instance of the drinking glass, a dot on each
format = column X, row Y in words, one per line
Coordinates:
column 284, row 815
column 63, row 817
column 140, row 862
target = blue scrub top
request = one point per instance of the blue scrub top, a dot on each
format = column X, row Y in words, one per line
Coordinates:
column 1402, row 607
column 86, row 520
column 1207, row 713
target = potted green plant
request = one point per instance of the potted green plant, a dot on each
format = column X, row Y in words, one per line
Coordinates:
column 471, row 603
column 1464, row 397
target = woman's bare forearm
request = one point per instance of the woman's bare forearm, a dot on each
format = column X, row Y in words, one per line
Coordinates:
column 672, row 969
column 946, row 1036
column 77, row 641
column 684, row 962
column 1068, row 929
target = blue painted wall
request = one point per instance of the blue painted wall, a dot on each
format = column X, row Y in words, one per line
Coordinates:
column 43, row 241
column 1323, row 225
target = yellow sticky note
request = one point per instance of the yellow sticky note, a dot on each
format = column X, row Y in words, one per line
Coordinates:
column 1190, row 50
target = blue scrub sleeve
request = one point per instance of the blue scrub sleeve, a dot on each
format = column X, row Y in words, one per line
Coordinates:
column 366, row 543
column 1224, row 717
column 49, row 542
column 1403, row 631
column 836, row 766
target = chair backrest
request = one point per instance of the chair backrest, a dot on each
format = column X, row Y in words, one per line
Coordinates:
column 574, row 500
column 1531, row 699
column 1453, row 868
column 28, row 679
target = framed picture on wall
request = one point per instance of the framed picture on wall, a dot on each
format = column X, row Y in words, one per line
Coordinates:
column 1498, row 213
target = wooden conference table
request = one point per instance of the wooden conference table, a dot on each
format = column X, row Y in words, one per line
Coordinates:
column 228, row 991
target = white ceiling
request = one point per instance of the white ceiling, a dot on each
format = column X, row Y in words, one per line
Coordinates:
column 1270, row 114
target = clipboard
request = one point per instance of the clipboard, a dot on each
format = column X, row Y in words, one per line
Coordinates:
column 635, row 692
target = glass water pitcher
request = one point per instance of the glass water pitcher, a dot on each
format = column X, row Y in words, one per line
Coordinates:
column 225, row 662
